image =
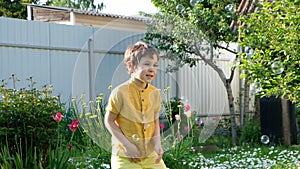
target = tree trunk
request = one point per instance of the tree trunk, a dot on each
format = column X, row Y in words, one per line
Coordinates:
column 286, row 122
column 227, row 84
column 232, row 113
column 245, row 105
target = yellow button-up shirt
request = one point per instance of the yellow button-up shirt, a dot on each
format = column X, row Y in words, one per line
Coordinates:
column 136, row 110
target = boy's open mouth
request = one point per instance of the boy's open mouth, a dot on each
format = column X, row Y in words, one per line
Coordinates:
column 150, row 76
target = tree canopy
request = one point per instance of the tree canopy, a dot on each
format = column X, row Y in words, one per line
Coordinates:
column 184, row 24
column 17, row 8
column 13, row 9
column 86, row 5
column 271, row 39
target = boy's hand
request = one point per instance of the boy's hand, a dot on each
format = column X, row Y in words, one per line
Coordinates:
column 133, row 152
column 159, row 152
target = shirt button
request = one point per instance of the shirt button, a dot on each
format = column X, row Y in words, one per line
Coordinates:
column 142, row 100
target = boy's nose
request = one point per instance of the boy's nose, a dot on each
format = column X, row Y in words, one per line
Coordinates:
column 151, row 68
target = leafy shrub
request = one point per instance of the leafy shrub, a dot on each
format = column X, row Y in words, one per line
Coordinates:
column 180, row 154
column 250, row 133
column 26, row 126
column 91, row 117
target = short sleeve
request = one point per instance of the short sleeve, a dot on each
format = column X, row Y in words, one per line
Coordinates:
column 114, row 102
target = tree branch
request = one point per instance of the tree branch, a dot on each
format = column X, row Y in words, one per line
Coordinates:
column 222, row 47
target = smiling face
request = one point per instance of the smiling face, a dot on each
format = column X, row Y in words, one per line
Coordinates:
column 141, row 61
column 146, row 69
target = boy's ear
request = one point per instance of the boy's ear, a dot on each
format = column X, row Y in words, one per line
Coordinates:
column 130, row 67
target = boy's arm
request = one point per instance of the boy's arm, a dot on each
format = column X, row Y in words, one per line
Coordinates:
column 157, row 142
column 131, row 149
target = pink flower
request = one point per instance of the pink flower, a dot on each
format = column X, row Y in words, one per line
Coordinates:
column 70, row 147
column 186, row 128
column 177, row 117
column 58, row 117
column 74, row 125
column 162, row 126
column 188, row 113
column 187, row 107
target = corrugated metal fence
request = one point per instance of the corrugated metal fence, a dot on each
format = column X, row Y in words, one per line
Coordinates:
column 77, row 60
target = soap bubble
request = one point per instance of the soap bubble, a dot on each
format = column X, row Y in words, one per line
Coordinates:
column 255, row 88
column 277, row 67
column 230, row 8
column 146, row 125
column 195, row 2
column 135, row 137
column 249, row 52
column 180, row 9
column 265, row 139
column 199, row 122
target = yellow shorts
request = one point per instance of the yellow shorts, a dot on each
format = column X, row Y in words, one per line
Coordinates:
column 121, row 162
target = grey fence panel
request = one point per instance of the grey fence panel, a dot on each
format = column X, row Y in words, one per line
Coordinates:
column 69, row 37
column 24, row 63
column 62, row 65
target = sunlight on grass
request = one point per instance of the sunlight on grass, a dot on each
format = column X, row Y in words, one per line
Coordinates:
column 246, row 157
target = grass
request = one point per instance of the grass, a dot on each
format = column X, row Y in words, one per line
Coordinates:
column 257, row 157
column 243, row 157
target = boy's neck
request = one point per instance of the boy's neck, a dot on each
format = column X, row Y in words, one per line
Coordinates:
column 140, row 83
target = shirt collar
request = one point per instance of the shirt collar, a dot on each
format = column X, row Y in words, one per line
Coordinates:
column 133, row 81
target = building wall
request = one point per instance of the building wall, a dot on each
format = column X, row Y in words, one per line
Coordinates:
column 80, row 60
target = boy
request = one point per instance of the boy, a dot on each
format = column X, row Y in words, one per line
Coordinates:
column 132, row 113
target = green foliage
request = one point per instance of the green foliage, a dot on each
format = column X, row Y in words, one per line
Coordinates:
column 13, row 9
column 180, row 152
column 222, row 135
column 9, row 160
column 29, row 135
column 272, row 32
column 87, row 5
column 25, row 118
column 18, row 9
column 172, row 107
column 58, row 158
column 211, row 17
column 250, row 133
column 192, row 30
column 91, row 118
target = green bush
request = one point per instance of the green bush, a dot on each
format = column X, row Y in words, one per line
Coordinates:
column 26, row 126
column 250, row 133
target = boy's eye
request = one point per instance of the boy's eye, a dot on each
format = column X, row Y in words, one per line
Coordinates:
column 155, row 65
